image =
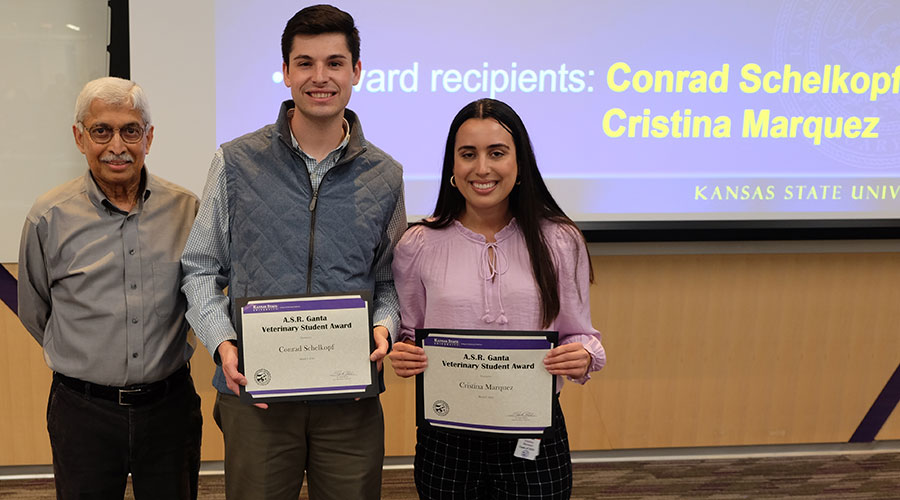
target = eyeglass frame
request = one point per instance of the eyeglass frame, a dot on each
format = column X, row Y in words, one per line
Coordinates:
column 115, row 130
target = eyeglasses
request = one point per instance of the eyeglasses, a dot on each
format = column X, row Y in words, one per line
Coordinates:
column 130, row 134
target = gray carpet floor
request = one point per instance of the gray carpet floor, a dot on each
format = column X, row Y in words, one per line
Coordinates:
column 826, row 477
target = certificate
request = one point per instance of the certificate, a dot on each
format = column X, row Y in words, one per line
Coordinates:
column 486, row 382
column 306, row 347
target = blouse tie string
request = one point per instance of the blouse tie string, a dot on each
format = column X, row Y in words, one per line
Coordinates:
column 490, row 270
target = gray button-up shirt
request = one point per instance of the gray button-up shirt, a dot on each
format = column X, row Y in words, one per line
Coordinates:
column 99, row 288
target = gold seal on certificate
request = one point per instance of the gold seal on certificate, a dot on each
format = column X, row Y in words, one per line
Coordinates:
column 486, row 382
column 306, row 347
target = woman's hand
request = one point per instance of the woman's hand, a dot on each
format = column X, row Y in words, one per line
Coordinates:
column 408, row 359
column 571, row 360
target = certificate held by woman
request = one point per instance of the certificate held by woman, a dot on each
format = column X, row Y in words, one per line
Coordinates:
column 485, row 381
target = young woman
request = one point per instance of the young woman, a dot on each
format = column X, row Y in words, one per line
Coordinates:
column 497, row 254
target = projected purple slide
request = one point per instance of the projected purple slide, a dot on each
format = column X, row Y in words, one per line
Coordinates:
column 651, row 110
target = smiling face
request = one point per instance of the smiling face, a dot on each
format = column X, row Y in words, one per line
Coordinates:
column 485, row 167
column 321, row 75
column 115, row 165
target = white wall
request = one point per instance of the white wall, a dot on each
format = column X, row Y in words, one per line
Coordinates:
column 48, row 50
column 173, row 59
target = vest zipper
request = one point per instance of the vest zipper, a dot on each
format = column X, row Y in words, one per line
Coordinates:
column 312, row 236
column 312, row 211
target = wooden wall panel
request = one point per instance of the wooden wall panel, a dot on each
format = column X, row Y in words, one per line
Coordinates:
column 891, row 429
column 399, row 403
column 24, row 387
column 704, row 350
column 202, row 369
column 710, row 350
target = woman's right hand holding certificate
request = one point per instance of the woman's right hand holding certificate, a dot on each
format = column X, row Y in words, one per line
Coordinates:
column 408, row 359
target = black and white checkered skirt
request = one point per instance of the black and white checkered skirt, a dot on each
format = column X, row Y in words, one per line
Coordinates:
column 451, row 465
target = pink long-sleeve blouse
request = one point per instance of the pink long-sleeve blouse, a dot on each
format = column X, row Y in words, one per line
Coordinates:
column 445, row 278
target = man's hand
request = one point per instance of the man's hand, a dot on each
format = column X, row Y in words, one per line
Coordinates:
column 381, row 346
column 228, row 353
column 408, row 359
column 571, row 360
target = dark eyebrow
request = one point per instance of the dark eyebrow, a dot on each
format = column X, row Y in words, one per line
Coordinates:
column 329, row 58
column 490, row 146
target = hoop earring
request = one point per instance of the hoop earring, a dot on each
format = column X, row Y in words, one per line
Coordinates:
column 518, row 182
column 453, row 181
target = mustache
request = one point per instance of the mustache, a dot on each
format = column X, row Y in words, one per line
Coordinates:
column 126, row 156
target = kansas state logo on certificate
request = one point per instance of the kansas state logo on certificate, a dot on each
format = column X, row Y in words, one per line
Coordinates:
column 262, row 376
column 440, row 407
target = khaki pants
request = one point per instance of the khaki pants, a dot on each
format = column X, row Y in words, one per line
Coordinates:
column 340, row 446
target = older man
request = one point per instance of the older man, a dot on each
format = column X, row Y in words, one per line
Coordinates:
column 99, row 279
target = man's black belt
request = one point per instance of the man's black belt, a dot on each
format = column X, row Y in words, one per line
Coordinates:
column 130, row 395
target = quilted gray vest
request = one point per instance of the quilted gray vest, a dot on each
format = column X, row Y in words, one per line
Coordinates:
column 286, row 241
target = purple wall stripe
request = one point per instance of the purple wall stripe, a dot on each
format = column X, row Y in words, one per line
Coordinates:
column 8, row 293
column 881, row 409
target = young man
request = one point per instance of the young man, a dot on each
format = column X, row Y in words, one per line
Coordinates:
column 99, row 278
column 303, row 206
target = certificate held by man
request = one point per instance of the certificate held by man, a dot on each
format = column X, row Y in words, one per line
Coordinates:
column 306, row 347
column 486, row 382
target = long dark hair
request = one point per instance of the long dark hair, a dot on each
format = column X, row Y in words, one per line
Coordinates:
column 530, row 201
